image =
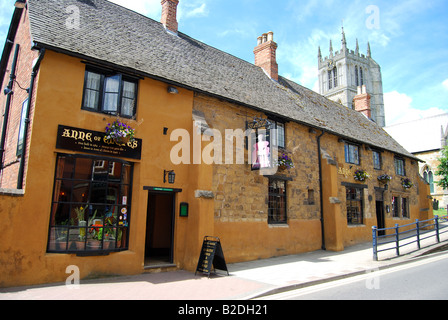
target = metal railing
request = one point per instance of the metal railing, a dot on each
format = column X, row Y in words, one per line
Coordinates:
column 423, row 230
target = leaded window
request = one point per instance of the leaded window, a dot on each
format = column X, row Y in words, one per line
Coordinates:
column 91, row 205
column 277, row 202
column 354, row 199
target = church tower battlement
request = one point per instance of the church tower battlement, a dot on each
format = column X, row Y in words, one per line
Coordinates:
column 342, row 72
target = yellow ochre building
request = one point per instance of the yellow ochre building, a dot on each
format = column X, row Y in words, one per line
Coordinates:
column 73, row 195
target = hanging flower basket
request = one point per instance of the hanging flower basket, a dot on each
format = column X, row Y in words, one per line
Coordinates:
column 384, row 178
column 119, row 132
column 361, row 175
column 284, row 163
column 406, row 183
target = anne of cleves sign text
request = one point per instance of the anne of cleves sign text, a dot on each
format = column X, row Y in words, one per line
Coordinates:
column 89, row 141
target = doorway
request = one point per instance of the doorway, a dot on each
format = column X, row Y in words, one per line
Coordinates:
column 159, row 244
column 380, row 216
column 379, row 197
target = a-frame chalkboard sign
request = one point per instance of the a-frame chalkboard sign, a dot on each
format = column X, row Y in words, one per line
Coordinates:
column 211, row 255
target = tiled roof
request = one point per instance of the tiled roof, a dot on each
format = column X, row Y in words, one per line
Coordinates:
column 116, row 35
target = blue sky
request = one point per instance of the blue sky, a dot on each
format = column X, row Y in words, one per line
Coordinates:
column 409, row 39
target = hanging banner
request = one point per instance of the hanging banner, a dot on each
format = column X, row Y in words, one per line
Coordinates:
column 76, row 139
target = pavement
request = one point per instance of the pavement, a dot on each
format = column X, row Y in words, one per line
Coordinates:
column 246, row 280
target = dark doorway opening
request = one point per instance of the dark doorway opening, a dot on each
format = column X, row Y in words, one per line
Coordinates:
column 380, row 217
column 159, row 245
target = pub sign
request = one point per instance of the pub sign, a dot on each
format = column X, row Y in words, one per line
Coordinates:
column 95, row 142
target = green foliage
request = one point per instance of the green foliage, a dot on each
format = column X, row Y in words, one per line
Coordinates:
column 442, row 169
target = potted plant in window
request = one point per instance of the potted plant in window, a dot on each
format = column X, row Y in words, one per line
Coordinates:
column 285, row 162
column 109, row 232
column 119, row 132
column 406, row 183
column 361, row 175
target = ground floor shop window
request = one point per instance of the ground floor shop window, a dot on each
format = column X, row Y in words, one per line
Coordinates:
column 277, row 202
column 354, row 197
column 90, row 205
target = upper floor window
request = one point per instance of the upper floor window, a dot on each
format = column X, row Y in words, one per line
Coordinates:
column 279, row 133
column 376, row 160
column 111, row 93
column 399, row 166
column 351, row 153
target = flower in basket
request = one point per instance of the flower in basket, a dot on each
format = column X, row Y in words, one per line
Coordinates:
column 285, row 162
column 361, row 175
column 384, row 178
column 406, row 183
column 119, row 132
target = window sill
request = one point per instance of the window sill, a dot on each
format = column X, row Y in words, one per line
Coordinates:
column 355, row 225
column 278, row 225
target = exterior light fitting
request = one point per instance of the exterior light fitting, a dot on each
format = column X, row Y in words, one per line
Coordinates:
column 7, row 91
column 171, row 176
column 172, row 90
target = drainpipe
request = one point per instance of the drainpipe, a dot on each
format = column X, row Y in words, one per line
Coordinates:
column 27, row 119
column 321, row 189
column 8, row 91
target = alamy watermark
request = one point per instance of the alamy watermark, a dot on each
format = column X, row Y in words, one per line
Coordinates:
column 373, row 20
column 260, row 144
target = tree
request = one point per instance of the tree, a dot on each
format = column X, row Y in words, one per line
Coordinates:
column 442, row 169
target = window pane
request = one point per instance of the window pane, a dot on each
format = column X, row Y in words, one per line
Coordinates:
column 83, row 169
column 277, row 202
column 376, row 160
column 281, row 135
column 88, row 208
column 111, row 93
column 128, row 99
column 354, row 205
column 92, row 90
column 404, row 208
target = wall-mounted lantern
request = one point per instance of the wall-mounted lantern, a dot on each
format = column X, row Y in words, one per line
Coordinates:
column 171, row 176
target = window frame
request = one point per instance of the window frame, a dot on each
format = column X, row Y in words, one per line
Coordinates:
column 76, row 183
column 274, row 125
column 400, row 169
column 400, row 207
column 347, row 147
column 104, row 75
column 21, row 134
column 275, row 218
column 377, row 165
column 349, row 207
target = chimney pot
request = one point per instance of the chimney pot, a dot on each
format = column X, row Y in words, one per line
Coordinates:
column 265, row 55
column 362, row 102
column 169, row 15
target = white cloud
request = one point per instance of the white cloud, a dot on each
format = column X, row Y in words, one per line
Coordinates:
column 398, row 108
column 197, row 11
column 445, row 84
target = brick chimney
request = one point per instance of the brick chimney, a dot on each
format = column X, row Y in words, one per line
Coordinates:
column 169, row 15
column 265, row 55
column 362, row 102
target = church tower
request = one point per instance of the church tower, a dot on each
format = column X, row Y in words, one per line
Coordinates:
column 342, row 72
